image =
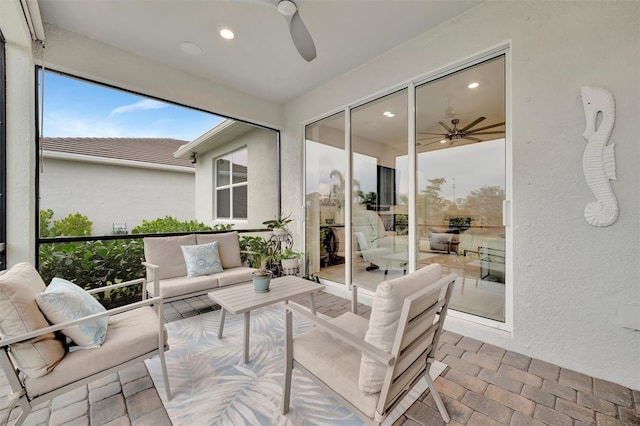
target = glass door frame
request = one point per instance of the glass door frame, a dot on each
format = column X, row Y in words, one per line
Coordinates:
column 502, row 50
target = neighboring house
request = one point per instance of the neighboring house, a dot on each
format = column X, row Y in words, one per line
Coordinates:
column 116, row 182
column 236, row 166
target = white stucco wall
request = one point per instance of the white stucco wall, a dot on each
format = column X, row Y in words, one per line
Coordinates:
column 108, row 193
column 262, row 171
column 20, row 134
column 569, row 278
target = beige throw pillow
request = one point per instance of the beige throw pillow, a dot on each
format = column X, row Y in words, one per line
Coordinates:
column 384, row 319
column 19, row 314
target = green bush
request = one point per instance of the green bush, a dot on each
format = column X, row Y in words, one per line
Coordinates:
column 169, row 224
column 94, row 264
column 73, row 225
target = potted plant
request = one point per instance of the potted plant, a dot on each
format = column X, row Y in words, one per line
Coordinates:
column 288, row 258
column 261, row 252
column 278, row 226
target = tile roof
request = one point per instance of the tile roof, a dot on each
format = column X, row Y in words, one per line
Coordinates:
column 147, row 150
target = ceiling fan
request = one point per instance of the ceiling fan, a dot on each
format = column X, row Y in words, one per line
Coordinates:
column 299, row 32
column 467, row 132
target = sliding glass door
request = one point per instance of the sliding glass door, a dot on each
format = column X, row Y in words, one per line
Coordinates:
column 461, row 183
column 379, row 215
column 459, row 173
column 325, row 198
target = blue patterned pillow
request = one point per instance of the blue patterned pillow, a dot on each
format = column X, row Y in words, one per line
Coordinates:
column 64, row 301
column 202, row 259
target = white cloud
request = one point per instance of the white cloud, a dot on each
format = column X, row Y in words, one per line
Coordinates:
column 142, row 105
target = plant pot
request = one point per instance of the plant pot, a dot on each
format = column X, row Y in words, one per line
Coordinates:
column 289, row 263
column 280, row 233
column 261, row 283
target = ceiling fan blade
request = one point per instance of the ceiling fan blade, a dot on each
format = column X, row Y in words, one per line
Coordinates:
column 449, row 129
column 427, row 133
column 302, row 38
column 487, row 127
column 484, row 133
column 473, row 123
column 472, row 139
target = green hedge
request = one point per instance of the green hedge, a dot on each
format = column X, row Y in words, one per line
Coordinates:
column 94, row 264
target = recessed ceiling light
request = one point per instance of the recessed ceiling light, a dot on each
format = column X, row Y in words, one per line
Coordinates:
column 388, row 114
column 473, row 85
column 190, row 48
column 443, row 141
column 226, row 33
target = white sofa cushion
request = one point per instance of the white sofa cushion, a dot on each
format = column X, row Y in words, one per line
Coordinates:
column 64, row 301
column 19, row 314
column 335, row 362
column 384, row 319
column 202, row 259
column 130, row 334
column 234, row 276
column 179, row 286
column 228, row 247
column 166, row 252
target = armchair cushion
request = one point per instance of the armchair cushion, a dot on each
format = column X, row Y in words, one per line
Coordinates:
column 202, row 259
column 167, row 251
column 64, row 301
column 228, row 247
column 335, row 362
column 19, row 314
column 130, row 334
column 385, row 317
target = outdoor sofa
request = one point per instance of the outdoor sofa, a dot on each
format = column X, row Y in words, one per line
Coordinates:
column 167, row 269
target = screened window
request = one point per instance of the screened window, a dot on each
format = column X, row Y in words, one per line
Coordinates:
column 231, row 185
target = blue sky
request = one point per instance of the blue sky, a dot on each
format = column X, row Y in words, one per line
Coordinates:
column 75, row 108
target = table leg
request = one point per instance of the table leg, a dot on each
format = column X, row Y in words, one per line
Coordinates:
column 354, row 299
column 313, row 304
column 221, row 325
column 247, row 326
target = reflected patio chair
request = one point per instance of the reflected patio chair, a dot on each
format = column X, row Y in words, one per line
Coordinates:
column 370, row 366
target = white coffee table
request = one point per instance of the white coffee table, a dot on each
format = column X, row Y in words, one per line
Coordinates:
column 242, row 299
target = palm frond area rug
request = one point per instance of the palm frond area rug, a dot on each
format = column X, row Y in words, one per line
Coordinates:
column 211, row 385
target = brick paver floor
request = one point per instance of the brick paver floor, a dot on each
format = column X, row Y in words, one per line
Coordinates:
column 483, row 385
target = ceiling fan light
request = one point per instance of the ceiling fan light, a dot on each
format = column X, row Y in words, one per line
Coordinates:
column 226, row 33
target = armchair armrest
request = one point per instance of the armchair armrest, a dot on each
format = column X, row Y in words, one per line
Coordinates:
column 152, row 276
column 363, row 346
column 22, row 337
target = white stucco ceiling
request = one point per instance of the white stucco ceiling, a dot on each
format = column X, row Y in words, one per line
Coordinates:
column 261, row 60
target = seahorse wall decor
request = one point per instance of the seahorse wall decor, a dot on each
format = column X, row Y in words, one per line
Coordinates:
column 599, row 162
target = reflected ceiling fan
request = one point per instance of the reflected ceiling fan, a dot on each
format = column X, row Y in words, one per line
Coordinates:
column 298, row 30
column 467, row 132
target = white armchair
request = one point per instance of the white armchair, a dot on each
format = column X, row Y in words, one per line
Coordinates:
column 371, row 365
column 134, row 333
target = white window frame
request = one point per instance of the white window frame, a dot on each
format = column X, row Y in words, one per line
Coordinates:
column 229, row 186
